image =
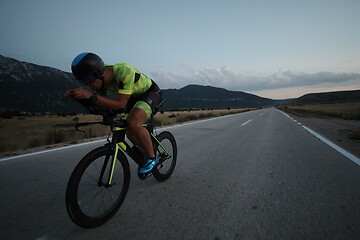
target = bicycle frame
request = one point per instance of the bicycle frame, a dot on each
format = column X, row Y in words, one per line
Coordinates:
column 118, row 141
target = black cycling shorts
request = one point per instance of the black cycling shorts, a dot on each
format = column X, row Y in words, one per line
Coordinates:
column 147, row 101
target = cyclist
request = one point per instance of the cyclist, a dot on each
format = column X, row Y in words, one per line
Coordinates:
column 134, row 92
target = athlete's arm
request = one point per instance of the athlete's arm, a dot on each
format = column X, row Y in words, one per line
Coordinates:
column 120, row 100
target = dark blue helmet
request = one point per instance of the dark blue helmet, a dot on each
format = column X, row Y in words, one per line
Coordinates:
column 87, row 67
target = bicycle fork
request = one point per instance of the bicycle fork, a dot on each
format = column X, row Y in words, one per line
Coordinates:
column 112, row 168
column 113, row 163
column 124, row 147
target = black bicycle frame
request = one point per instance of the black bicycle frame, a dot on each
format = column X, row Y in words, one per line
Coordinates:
column 118, row 141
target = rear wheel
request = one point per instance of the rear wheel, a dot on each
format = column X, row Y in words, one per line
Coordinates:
column 90, row 200
column 166, row 151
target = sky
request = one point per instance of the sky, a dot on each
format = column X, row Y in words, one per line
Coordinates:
column 272, row 48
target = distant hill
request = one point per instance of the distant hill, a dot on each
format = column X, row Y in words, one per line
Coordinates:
column 33, row 88
column 196, row 96
column 329, row 97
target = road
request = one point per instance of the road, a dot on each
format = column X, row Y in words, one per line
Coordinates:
column 254, row 175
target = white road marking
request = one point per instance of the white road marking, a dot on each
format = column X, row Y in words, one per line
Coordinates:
column 50, row 150
column 331, row 144
column 246, row 122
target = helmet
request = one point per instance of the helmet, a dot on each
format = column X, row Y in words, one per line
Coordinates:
column 87, row 67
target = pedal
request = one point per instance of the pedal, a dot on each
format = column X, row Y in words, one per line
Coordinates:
column 142, row 176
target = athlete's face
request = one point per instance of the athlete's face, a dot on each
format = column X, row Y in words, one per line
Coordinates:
column 95, row 85
column 106, row 78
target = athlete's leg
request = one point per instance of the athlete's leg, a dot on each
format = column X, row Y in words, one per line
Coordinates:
column 138, row 134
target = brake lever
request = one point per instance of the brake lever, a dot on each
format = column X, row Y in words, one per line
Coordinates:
column 77, row 128
column 77, row 125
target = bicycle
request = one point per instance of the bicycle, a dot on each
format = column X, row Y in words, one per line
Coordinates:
column 99, row 183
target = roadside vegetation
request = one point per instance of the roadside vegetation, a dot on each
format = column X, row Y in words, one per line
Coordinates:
column 23, row 132
column 346, row 111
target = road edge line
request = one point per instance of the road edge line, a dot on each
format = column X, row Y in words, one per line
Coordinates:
column 327, row 141
column 49, row 150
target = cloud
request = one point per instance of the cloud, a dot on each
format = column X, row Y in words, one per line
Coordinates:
column 167, row 79
column 235, row 79
column 292, row 79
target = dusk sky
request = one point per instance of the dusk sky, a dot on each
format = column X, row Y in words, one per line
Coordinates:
column 276, row 49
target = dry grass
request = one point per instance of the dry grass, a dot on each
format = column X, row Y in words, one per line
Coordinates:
column 347, row 111
column 354, row 134
column 27, row 132
column 170, row 118
column 21, row 133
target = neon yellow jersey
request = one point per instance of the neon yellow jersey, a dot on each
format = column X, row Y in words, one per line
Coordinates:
column 128, row 80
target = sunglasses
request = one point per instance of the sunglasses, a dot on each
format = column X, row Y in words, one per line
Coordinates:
column 88, row 78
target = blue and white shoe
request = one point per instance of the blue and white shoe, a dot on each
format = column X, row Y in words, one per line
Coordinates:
column 148, row 166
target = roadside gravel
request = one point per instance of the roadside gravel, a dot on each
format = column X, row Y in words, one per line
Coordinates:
column 340, row 132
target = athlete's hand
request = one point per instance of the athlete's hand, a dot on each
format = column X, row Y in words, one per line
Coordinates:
column 69, row 94
column 78, row 93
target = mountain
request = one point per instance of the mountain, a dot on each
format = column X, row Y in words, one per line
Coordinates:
column 196, row 96
column 33, row 88
column 329, row 97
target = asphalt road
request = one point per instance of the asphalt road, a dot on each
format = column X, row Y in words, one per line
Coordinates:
column 255, row 175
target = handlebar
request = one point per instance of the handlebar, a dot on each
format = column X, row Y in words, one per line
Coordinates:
column 110, row 123
column 108, row 115
column 97, row 110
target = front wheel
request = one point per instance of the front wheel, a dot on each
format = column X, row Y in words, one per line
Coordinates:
column 90, row 199
column 166, row 150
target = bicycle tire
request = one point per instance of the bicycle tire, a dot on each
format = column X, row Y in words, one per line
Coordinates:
column 168, row 141
column 76, row 201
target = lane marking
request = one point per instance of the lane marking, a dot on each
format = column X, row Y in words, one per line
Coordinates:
column 328, row 142
column 246, row 122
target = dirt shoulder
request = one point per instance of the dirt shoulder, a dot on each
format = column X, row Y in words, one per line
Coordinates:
column 344, row 133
